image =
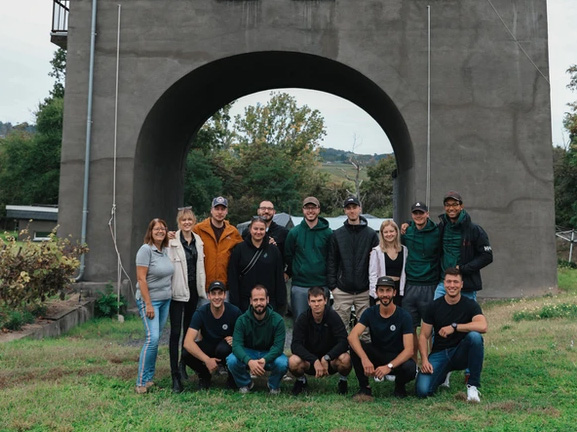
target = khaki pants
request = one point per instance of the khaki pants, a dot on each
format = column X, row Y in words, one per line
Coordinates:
column 343, row 303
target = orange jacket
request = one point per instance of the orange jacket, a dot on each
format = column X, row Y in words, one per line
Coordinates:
column 217, row 254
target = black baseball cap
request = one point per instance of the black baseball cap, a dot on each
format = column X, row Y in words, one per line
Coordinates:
column 216, row 285
column 352, row 200
column 419, row 206
column 385, row 281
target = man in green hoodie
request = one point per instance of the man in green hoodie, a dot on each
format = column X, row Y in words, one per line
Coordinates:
column 258, row 344
column 306, row 250
column 423, row 241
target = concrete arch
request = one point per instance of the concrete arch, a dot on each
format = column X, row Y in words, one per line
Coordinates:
column 185, row 106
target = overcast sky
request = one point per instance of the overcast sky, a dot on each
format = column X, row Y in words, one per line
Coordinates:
column 26, row 51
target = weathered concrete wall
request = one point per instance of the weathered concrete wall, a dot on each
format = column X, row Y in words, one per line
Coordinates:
column 182, row 60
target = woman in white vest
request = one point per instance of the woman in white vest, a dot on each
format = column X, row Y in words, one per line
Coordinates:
column 187, row 253
column 388, row 259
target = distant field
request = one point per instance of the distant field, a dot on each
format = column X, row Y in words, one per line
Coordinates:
column 338, row 171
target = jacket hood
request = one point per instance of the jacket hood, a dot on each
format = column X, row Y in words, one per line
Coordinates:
column 463, row 218
column 265, row 320
column 362, row 223
column 322, row 224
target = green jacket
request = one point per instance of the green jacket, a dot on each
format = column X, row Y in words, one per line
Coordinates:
column 267, row 334
column 306, row 251
column 422, row 266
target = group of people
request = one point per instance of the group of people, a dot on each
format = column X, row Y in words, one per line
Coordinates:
column 227, row 295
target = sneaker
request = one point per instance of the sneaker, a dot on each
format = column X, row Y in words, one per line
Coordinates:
column 246, row 389
column 299, row 386
column 272, row 391
column 472, row 394
column 447, row 383
column 222, row 370
column 390, row 378
column 364, row 394
column 203, row 383
column 141, row 389
column 343, row 387
column 378, row 380
column 400, row 391
column 149, row 384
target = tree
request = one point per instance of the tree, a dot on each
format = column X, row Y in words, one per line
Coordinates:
column 30, row 162
column 377, row 192
column 270, row 152
column 565, row 166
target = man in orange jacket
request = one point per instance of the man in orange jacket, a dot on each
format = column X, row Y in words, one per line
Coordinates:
column 219, row 237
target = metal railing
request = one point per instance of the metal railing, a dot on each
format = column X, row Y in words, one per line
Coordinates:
column 59, row 32
column 60, row 11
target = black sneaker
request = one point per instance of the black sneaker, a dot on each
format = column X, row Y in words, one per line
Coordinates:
column 203, row 383
column 400, row 391
column 364, row 394
column 298, row 387
column 343, row 387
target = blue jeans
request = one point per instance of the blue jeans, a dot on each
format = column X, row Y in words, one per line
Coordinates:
column 440, row 292
column 152, row 329
column 241, row 374
column 468, row 354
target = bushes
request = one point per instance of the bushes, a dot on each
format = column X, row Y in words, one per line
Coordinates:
column 108, row 304
column 32, row 272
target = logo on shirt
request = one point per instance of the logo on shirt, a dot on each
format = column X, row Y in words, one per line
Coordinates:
column 393, row 327
column 225, row 326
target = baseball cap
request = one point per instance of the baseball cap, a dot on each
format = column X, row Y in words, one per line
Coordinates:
column 219, row 201
column 419, row 206
column 351, row 200
column 216, row 285
column 453, row 195
column 311, row 200
column 385, row 281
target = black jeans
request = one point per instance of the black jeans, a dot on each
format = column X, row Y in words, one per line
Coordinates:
column 220, row 351
column 180, row 317
column 404, row 372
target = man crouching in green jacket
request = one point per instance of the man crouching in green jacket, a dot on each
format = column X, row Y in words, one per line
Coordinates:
column 258, row 344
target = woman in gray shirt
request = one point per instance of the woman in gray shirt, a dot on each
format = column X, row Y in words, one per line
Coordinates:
column 154, row 271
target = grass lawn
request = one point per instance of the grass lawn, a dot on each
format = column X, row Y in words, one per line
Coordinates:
column 85, row 381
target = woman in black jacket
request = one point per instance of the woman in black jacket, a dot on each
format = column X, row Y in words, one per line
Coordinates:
column 256, row 261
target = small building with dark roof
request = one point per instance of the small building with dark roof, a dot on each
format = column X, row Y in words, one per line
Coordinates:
column 38, row 220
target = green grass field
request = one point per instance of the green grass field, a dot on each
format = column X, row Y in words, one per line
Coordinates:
column 338, row 171
column 85, row 382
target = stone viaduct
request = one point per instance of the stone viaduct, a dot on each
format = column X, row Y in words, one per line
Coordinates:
column 181, row 60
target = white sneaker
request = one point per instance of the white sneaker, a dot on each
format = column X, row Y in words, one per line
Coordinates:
column 473, row 394
column 390, row 378
column 447, row 382
column 272, row 391
column 246, row 389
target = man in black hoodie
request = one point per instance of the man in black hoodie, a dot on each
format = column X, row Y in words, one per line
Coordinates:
column 348, row 262
column 465, row 245
column 319, row 344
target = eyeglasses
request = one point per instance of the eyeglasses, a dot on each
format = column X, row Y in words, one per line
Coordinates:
column 266, row 208
column 312, row 207
column 159, row 229
column 457, row 204
column 185, row 208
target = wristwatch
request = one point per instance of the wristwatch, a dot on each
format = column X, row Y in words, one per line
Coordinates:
column 327, row 358
column 454, row 325
column 390, row 366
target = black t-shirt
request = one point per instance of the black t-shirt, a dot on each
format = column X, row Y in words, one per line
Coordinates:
column 191, row 256
column 387, row 333
column 214, row 330
column 442, row 314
